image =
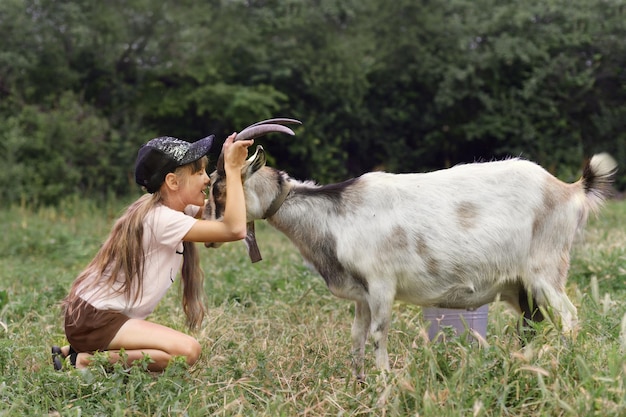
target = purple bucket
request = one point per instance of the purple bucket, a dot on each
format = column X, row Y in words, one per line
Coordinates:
column 460, row 320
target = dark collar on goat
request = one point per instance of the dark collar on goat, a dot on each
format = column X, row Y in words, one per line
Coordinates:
column 278, row 201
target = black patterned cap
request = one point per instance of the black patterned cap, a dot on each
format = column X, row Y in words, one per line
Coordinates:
column 163, row 155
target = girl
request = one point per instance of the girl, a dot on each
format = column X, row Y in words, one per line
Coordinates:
column 110, row 300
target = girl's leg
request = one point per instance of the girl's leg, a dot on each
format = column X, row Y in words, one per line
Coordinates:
column 139, row 337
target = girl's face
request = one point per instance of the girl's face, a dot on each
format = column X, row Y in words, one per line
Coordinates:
column 193, row 183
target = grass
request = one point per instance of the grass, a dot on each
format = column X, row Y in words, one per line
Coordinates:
column 276, row 342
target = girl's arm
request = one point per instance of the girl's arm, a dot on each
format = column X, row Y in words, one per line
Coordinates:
column 233, row 224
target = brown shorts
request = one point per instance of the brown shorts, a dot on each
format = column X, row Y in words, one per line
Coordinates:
column 90, row 329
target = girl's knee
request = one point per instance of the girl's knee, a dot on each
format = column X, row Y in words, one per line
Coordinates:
column 196, row 350
column 190, row 349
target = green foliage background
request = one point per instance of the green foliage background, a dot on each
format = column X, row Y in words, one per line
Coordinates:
column 404, row 85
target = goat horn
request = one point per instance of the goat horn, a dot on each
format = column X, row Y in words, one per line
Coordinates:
column 280, row 121
column 267, row 126
column 259, row 129
column 252, row 132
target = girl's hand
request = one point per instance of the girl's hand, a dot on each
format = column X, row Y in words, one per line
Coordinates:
column 235, row 153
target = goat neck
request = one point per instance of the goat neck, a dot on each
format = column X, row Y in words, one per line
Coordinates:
column 278, row 201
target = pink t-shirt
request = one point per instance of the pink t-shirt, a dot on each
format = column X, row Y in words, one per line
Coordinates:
column 163, row 232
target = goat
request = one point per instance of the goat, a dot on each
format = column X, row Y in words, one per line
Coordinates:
column 455, row 238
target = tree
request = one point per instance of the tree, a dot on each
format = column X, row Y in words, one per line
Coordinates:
column 402, row 85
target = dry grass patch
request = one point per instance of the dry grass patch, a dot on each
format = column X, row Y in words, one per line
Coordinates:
column 277, row 343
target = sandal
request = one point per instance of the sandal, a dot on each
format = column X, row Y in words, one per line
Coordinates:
column 57, row 357
column 73, row 355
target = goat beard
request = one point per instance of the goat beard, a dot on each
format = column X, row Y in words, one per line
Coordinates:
column 250, row 240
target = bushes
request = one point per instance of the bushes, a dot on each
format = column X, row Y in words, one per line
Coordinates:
column 61, row 149
column 409, row 86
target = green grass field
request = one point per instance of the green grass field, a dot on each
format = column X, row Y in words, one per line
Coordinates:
column 276, row 342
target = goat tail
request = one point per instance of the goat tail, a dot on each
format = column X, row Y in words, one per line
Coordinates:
column 597, row 180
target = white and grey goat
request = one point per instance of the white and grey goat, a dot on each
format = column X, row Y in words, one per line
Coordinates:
column 456, row 238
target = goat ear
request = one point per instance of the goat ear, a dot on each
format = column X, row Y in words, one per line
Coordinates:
column 256, row 161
